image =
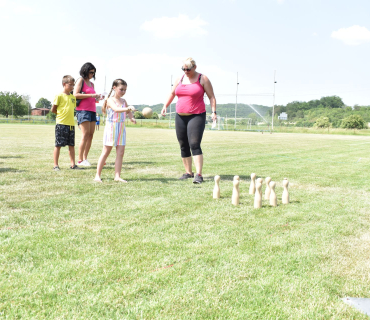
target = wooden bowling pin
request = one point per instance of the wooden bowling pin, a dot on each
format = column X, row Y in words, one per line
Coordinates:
column 268, row 190
column 252, row 187
column 235, row 196
column 216, row 189
column 285, row 197
column 260, row 180
column 258, row 195
column 273, row 198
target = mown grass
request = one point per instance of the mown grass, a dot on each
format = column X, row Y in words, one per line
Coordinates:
column 160, row 248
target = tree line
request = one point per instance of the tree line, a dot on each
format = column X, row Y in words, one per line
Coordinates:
column 322, row 113
column 328, row 111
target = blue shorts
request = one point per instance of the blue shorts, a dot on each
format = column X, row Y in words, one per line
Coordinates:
column 97, row 123
column 84, row 115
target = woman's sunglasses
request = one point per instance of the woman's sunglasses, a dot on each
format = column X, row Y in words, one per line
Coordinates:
column 186, row 69
column 91, row 72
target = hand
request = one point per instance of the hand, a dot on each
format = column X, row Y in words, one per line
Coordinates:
column 133, row 120
column 163, row 112
column 131, row 108
column 214, row 116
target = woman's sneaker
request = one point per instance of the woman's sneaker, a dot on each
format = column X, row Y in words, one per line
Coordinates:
column 84, row 163
column 56, row 168
column 198, row 178
column 186, row 176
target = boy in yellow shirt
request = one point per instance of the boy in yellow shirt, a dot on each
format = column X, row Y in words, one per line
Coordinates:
column 63, row 106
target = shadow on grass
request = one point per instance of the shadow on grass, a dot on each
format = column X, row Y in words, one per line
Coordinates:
column 11, row 157
column 163, row 180
column 231, row 178
column 10, row 170
column 138, row 162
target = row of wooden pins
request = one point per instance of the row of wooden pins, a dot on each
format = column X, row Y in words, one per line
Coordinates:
column 256, row 189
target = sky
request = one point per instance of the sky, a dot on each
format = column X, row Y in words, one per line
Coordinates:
column 314, row 48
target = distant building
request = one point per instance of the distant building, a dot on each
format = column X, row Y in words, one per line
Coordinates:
column 283, row 116
column 39, row 111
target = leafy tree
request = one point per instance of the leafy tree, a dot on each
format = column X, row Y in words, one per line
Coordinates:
column 138, row 115
column 253, row 116
column 12, row 104
column 43, row 103
column 323, row 122
column 353, row 121
column 26, row 101
column 155, row 115
column 332, row 102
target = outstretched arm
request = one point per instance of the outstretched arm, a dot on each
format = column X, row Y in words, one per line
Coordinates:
column 130, row 113
column 114, row 107
column 170, row 97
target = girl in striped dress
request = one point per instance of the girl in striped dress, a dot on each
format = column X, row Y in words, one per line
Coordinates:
column 115, row 108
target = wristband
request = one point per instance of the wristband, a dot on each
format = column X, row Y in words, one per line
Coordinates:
column 214, row 112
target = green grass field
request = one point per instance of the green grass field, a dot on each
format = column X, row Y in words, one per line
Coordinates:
column 160, row 248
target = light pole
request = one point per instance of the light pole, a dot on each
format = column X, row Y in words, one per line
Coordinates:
column 236, row 99
column 170, row 105
column 273, row 103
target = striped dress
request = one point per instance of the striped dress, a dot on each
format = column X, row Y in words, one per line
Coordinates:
column 115, row 130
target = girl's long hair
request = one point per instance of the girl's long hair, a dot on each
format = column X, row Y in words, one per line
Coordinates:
column 116, row 83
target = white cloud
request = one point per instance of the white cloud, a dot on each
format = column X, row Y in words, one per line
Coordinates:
column 280, row 1
column 315, row 34
column 352, row 36
column 176, row 27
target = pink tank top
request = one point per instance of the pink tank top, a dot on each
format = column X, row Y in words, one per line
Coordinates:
column 88, row 104
column 190, row 97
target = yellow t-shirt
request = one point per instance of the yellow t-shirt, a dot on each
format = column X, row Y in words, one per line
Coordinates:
column 66, row 105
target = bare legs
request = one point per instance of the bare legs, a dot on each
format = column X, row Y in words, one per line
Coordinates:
column 56, row 155
column 120, row 150
column 198, row 161
column 87, row 130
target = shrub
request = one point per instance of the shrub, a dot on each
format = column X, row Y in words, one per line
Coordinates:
column 353, row 121
column 51, row 116
column 138, row 115
column 323, row 122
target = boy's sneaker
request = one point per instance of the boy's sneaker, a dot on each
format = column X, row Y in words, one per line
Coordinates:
column 75, row 168
column 186, row 176
column 56, row 168
column 198, row 178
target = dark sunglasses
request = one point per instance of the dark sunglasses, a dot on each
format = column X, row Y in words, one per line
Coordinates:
column 91, row 72
column 186, row 69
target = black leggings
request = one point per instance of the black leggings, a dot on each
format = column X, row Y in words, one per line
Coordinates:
column 189, row 131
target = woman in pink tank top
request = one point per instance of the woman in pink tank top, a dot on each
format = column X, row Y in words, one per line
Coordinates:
column 191, row 116
column 86, row 110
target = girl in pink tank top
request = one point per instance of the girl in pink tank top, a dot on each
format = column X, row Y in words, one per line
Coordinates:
column 88, row 104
